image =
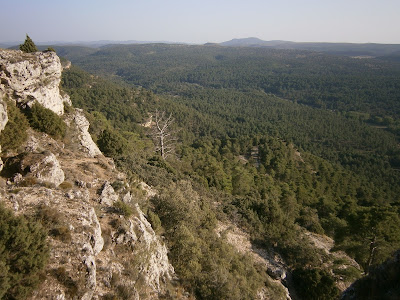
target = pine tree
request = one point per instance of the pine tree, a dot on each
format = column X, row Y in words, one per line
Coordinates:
column 28, row 46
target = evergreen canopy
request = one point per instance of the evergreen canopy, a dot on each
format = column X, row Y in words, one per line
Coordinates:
column 28, row 46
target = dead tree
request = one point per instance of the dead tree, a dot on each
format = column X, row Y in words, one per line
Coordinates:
column 163, row 135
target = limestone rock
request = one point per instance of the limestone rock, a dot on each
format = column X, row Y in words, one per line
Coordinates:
column 26, row 77
column 3, row 119
column 75, row 256
column 92, row 245
column 108, row 195
column 147, row 189
column 158, row 266
column 96, row 240
column 3, row 112
column 127, row 198
column 43, row 166
column 85, row 141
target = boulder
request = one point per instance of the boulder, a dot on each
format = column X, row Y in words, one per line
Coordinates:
column 84, row 139
column 3, row 112
column 43, row 166
column 3, row 119
column 108, row 195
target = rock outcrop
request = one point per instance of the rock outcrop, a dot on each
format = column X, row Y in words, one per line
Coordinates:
column 271, row 264
column 43, row 166
column 97, row 251
column 95, row 248
column 79, row 121
column 30, row 77
column 3, row 112
column 3, row 119
column 108, row 195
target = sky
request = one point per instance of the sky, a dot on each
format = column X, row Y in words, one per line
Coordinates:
column 201, row 21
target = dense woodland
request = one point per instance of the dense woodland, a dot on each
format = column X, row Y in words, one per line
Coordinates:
column 277, row 141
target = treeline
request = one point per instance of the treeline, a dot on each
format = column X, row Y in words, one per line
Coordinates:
column 269, row 165
column 320, row 80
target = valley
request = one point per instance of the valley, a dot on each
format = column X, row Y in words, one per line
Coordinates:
column 282, row 180
column 227, row 102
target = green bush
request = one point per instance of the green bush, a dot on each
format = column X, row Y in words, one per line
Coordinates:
column 315, row 284
column 14, row 134
column 154, row 221
column 45, row 120
column 62, row 233
column 28, row 46
column 54, row 222
column 111, row 143
column 123, row 208
column 207, row 266
column 117, row 185
column 63, row 277
column 23, row 255
column 49, row 49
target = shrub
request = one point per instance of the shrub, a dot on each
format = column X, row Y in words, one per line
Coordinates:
column 154, row 221
column 123, row 208
column 61, row 233
column 54, row 221
column 117, row 185
column 125, row 292
column 63, row 277
column 65, row 185
column 14, row 134
column 349, row 273
column 45, row 120
column 68, row 108
column 48, row 216
column 111, row 143
column 49, row 49
column 315, row 284
column 28, row 46
column 29, row 181
column 23, row 255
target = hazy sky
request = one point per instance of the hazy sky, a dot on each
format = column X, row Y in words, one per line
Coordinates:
column 201, row 21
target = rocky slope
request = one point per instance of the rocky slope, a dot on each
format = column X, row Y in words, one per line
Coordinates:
column 102, row 246
column 281, row 281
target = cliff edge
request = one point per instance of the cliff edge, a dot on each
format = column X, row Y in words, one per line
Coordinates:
column 101, row 244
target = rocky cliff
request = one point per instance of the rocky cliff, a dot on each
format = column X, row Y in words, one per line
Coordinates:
column 101, row 244
column 30, row 77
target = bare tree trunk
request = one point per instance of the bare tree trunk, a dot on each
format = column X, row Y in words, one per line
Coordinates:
column 372, row 248
column 163, row 135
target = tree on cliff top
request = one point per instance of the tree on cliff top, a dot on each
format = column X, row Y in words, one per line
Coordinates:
column 28, row 46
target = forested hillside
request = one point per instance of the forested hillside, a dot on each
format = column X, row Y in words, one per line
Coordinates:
column 276, row 167
column 333, row 82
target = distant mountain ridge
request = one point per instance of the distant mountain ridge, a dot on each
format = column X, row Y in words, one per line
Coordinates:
column 254, row 42
column 89, row 44
column 349, row 49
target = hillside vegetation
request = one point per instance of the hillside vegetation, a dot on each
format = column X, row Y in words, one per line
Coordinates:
column 275, row 167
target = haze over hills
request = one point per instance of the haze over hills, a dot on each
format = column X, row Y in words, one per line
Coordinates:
column 362, row 50
column 350, row 49
column 289, row 153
